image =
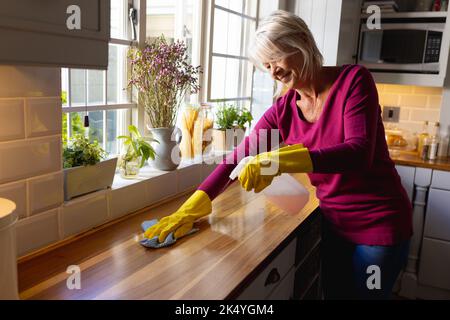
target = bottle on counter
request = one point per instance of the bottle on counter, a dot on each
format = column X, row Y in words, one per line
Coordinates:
column 425, row 148
column 421, row 138
column 434, row 142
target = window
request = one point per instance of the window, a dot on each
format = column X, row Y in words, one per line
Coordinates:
column 176, row 20
column 101, row 94
column 230, row 78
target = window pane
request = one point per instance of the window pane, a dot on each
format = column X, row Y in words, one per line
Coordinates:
column 247, row 72
column 77, row 123
column 161, row 19
column 251, row 8
column 235, row 5
column 117, row 75
column 226, row 28
column 225, row 78
column 78, row 87
column 96, row 126
column 95, row 83
column 249, row 32
column 111, row 131
column 119, row 19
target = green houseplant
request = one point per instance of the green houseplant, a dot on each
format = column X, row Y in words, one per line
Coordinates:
column 136, row 151
column 230, row 127
column 85, row 167
column 162, row 74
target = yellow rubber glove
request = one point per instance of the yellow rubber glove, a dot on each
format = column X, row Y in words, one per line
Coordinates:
column 260, row 171
column 182, row 221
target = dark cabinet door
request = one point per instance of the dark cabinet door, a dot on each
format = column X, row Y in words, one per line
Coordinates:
column 42, row 33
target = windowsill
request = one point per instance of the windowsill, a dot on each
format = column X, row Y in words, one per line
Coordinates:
column 147, row 172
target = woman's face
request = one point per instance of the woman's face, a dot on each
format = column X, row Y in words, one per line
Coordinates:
column 286, row 70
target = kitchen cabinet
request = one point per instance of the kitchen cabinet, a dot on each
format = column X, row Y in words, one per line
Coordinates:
column 407, row 174
column 435, row 264
column 335, row 27
column 41, row 33
column 435, row 255
column 294, row 273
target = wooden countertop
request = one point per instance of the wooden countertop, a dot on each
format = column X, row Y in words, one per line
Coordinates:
column 239, row 237
column 412, row 159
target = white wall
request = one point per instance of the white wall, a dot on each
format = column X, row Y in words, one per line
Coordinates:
column 30, row 150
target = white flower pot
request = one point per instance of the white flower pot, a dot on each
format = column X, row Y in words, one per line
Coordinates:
column 86, row 179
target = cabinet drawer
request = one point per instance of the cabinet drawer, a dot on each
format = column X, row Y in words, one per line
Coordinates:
column 285, row 289
column 435, row 263
column 307, row 239
column 437, row 219
column 441, row 180
column 306, row 273
column 271, row 276
column 313, row 291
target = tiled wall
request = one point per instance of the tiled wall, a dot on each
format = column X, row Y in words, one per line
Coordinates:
column 30, row 151
column 31, row 168
column 417, row 104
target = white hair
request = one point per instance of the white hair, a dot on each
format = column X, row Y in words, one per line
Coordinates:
column 281, row 34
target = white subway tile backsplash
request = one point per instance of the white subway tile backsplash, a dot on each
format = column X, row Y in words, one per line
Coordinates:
column 12, row 119
column 128, row 199
column 43, row 116
column 84, row 213
column 427, row 90
column 404, row 114
column 413, row 100
column 424, row 115
column 25, row 81
column 434, row 102
column 389, row 99
column 27, row 158
column 398, row 89
column 37, row 231
column 17, row 192
column 45, row 192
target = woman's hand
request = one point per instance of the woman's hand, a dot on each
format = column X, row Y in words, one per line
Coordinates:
column 260, row 171
column 182, row 221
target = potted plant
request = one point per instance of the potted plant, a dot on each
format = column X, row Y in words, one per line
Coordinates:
column 136, row 151
column 163, row 76
column 230, row 127
column 85, row 169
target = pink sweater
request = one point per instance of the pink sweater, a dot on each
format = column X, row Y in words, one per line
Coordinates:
column 359, row 189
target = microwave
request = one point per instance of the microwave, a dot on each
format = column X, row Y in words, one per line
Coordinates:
column 401, row 47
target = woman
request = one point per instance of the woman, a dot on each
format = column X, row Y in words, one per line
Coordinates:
column 331, row 121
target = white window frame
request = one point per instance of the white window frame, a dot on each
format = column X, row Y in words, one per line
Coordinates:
column 124, row 119
column 242, row 58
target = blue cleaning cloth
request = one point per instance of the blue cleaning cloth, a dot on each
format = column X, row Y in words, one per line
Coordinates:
column 153, row 242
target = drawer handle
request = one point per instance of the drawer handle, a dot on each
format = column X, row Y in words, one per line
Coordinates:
column 273, row 277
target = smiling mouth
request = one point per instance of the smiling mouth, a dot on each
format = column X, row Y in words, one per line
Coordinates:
column 285, row 76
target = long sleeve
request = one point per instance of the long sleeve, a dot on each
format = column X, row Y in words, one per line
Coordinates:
column 261, row 139
column 361, row 125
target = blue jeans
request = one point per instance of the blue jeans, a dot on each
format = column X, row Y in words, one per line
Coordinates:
column 351, row 271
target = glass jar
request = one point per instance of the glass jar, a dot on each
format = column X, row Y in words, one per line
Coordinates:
column 188, row 119
column 129, row 164
column 203, row 127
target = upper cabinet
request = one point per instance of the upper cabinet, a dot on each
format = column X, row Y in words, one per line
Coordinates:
column 63, row 33
column 335, row 27
column 409, row 48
